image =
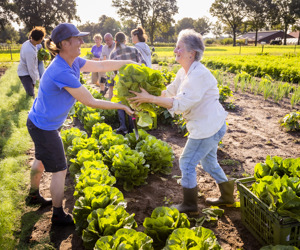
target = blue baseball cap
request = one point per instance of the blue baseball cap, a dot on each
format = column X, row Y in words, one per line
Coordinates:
column 64, row 31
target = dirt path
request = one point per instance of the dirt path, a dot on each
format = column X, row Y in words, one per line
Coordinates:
column 253, row 133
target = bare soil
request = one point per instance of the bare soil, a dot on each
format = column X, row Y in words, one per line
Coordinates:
column 253, row 133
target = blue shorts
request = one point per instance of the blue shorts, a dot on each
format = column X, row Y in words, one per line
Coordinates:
column 48, row 148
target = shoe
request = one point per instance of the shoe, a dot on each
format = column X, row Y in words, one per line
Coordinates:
column 189, row 204
column 62, row 220
column 38, row 200
column 121, row 131
column 226, row 198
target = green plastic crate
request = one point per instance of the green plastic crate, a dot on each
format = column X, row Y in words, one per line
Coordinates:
column 269, row 228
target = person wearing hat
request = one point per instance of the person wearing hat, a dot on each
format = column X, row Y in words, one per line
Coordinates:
column 59, row 89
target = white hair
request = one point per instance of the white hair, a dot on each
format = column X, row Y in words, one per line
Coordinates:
column 193, row 42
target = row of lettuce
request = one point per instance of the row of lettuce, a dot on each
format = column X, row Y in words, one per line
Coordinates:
column 105, row 158
column 284, row 68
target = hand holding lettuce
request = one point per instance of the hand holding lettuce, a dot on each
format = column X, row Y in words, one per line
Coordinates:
column 132, row 77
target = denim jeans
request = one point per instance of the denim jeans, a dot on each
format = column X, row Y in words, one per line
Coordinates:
column 205, row 152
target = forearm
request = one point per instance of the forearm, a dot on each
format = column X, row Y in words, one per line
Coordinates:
column 102, row 104
column 165, row 102
column 104, row 66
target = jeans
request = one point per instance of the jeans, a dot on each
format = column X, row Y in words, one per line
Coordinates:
column 205, row 152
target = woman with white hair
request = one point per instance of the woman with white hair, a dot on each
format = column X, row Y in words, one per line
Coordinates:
column 195, row 95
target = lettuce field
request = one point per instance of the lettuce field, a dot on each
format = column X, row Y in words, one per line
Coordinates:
column 120, row 190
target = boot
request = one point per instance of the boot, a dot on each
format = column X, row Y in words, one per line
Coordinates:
column 226, row 198
column 60, row 218
column 189, row 204
column 35, row 198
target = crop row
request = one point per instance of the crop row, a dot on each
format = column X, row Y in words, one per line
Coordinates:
column 278, row 67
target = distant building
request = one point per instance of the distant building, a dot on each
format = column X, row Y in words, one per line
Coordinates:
column 264, row 36
column 294, row 40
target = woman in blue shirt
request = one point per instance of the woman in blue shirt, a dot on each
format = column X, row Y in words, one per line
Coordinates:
column 59, row 89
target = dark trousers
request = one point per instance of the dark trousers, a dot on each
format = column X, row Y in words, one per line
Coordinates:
column 122, row 119
column 27, row 84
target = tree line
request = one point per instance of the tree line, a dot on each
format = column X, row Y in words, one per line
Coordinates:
column 156, row 16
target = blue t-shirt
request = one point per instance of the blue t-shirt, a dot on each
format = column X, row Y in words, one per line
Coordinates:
column 53, row 103
column 96, row 51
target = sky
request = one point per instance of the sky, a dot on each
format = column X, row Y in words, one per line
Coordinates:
column 91, row 10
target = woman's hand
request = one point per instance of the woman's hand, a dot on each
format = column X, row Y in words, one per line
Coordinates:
column 142, row 97
column 128, row 110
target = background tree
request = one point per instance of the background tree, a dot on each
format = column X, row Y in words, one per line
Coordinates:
column 6, row 13
column 258, row 14
column 128, row 26
column 217, row 29
column 108, row 24
column 9, row 34
column 184, row 23
column 150, row 14
column 229, row 12
column 45, row 13
column 287, row 13
column 296, row 27
column 89, row 27
column 202, row 25
column 166, row 34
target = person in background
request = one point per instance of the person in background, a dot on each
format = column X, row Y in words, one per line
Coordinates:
column 98, row 78
column 28, row 67
column 195, row 95
column 124, row 52
column 59, row 89
column 107, row 49
column 139, row 39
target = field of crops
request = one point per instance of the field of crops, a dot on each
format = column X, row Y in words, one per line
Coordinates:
column 257, row 102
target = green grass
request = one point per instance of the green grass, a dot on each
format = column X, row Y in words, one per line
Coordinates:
column 14, row 143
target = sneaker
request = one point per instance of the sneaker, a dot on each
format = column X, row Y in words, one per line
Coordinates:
column 62, row 220
column 38, row 200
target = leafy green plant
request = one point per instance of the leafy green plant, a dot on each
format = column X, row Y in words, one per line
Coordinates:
column 82, row 143
column 199, row 238
column 126, row 239
column 291, row 121
column 94, row 197
column 128, row 166
column 106, row 221
column 295, row 99
column 277, row 184
column 91, row 119
column 109, row 139
column 68, row 135
column 157, row 153
column 224, row 92
column 132, row 139
column 99, row 128
column 43, row 55
column 163, row 221
column 133, row 77
column 82, row 156
column 93, row 177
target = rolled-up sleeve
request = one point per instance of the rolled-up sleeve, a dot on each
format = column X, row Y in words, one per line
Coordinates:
column 190, row 93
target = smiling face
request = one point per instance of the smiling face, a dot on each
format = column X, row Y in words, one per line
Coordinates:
column 182, row 54
column 74, row 45
column 108, row 40
column 98, row 41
